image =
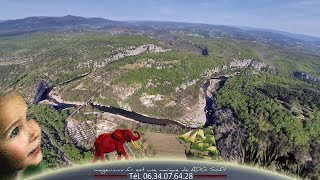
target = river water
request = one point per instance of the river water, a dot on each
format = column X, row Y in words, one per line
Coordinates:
column 211, row 85
column 209, row 108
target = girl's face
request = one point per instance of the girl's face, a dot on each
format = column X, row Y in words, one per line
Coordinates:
column 19, row 138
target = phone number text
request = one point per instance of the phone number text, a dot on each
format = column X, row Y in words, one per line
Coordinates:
column 160, row 175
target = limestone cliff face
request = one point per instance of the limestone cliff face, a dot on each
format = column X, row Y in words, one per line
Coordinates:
column 42, row 91
column 131, row 51
column 149, row 100
column 247, row 63
column 184, row 85
column 230, row 136
column 306, row 76
column 237, row 64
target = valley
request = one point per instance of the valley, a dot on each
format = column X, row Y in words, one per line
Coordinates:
column 259, row 94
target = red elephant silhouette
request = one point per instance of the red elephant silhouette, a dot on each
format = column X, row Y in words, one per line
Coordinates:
column 109, row 142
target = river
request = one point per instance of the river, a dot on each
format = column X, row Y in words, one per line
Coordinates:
column 211, row 85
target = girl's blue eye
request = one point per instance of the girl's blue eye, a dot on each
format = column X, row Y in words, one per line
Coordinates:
column 15, row 132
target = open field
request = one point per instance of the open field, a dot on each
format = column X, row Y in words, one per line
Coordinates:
column 166, row 145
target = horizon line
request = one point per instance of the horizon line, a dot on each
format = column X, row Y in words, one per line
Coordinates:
column 199, row 23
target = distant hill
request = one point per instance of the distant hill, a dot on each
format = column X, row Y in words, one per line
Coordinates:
column 45, row 22
column 31, row 24
column 81, row 24
column 49, row 22
column 298, row 36
column 288, row 34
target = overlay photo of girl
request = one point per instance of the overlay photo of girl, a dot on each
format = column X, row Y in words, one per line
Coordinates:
column 20, row 137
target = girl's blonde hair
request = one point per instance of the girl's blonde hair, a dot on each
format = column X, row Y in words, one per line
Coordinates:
column 12, row 96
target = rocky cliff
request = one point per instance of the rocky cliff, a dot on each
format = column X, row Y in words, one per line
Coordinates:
column 230, row 136
column 42, row 91
column 247, row 63
column 131, row 51
column 237, row 64
column 306, row 76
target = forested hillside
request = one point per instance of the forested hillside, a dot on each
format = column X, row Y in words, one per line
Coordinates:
column 281, row 120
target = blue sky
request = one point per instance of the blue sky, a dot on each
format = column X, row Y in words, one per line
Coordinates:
column 297, row 16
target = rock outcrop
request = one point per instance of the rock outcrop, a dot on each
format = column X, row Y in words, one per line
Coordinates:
column 230, row 136
column 184, row 86
column 131, row 51
column 210, row 72
column 124, row 106
column 149, row 100
column 42, row 92
column 247, row 63
column 236, row 64
column 306, row 76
